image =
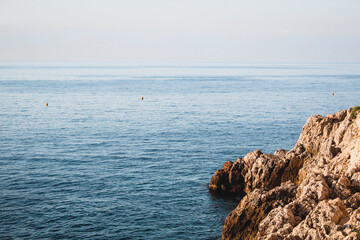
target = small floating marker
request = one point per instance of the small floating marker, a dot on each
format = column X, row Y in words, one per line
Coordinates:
column 46, row 104
column 333, row 94
column 142, row 98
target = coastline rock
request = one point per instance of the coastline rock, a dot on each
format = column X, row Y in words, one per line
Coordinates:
column 309, row 192
column 258, row 170
column 325, row 221
column 227, row 180
column 243, row 221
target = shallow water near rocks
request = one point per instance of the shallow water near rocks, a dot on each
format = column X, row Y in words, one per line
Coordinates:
column 100, row 163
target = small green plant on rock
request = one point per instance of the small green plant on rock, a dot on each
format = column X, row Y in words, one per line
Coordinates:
column 353, row 111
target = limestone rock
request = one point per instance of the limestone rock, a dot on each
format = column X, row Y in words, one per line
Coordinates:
column 220, row 180
column 342, row 188
column 309, row 192
column 258, row 170
column 355, row 182
column 353, row 201
column 323, row 221
column 314, row 187
column 242, row 222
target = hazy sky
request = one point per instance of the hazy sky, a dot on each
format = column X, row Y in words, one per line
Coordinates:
column 181, row 30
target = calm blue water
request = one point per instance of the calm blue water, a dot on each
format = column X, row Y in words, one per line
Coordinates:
column 100, row 163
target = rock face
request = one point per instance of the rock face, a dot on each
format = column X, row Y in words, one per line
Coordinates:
column 309, row 192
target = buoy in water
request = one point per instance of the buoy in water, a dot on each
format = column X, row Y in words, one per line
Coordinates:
column 333, row 94
column 142, row 98
column 46, row 104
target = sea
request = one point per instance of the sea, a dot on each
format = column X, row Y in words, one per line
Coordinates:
column 126, row 151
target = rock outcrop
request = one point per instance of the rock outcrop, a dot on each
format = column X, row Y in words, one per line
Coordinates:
column 309, row 192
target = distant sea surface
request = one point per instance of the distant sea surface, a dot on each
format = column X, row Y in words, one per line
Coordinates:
column 100, row 163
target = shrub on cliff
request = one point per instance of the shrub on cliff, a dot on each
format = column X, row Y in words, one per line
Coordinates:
column 353, row 111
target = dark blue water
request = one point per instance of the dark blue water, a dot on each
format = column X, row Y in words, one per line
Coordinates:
column 100, row 163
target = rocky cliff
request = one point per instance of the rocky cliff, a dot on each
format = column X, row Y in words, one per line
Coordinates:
column 309, row 192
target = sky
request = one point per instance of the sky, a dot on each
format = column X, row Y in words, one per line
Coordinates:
column 180, row 30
